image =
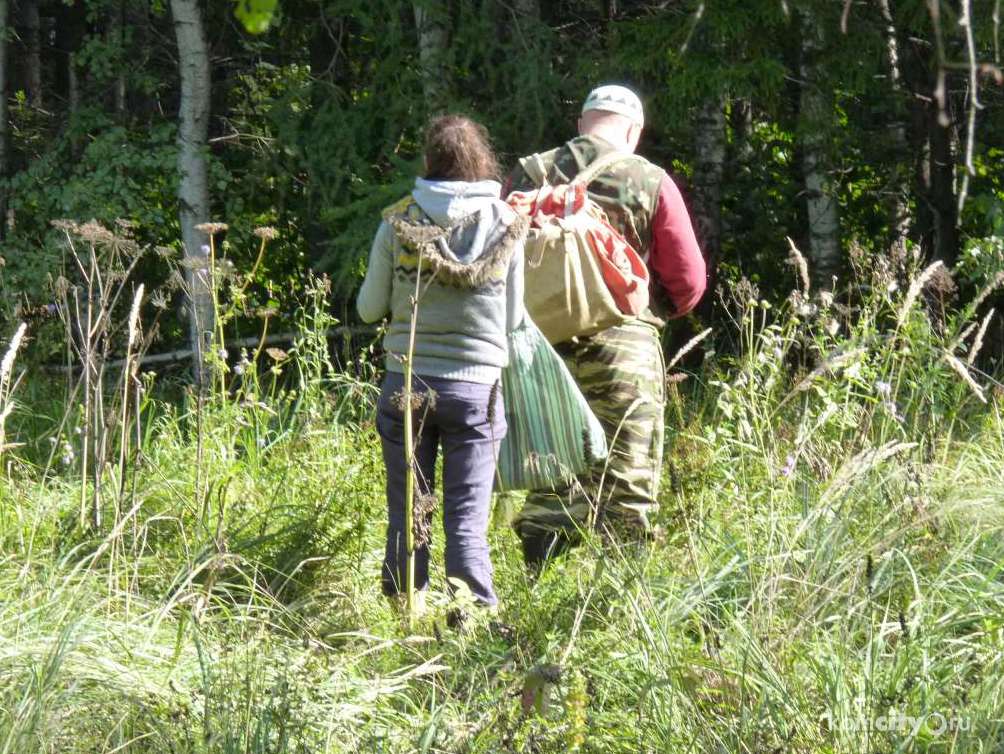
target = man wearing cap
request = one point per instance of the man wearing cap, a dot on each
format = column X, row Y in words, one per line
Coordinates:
column 619, row 370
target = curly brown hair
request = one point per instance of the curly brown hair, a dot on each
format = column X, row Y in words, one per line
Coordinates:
column 458, row 149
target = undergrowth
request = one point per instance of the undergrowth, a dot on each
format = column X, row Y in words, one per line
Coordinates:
column 830, row 580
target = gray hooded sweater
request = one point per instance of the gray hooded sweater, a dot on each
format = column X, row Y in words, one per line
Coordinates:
column 468, row 245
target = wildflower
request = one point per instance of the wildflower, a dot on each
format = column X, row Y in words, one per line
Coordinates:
column 884, row 389
column 205, row 249
column 893, row 409
column 266, row 233
column 789, row 466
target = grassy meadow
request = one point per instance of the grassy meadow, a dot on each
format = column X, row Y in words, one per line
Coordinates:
column 201, row 575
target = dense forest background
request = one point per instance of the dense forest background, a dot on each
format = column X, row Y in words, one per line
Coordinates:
column 847, row 126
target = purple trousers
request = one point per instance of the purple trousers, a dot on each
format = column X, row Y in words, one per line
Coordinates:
column 458, row 419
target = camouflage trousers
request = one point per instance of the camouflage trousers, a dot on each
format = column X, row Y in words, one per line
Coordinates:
column 621, row 373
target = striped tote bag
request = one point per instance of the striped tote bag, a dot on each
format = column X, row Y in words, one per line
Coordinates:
column 553, row 435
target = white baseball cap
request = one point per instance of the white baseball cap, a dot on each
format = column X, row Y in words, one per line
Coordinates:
column 615, row 99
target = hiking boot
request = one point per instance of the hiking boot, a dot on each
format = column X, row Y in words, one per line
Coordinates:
column 539, row 547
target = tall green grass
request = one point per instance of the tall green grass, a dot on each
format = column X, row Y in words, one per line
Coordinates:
column 830, row 581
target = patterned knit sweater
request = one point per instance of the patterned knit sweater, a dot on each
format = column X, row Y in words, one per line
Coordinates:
column 464, row 246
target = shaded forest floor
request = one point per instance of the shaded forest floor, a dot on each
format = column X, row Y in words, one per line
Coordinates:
column 831, row 579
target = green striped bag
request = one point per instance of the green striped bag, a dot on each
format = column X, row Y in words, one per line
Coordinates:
column 553, row 435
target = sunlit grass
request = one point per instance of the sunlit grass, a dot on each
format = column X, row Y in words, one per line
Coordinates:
column 830, row 579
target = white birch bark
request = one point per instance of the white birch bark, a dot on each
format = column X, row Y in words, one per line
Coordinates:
column 4, row 30
column 431, row 23
column 817, row 116
column 193, row 188
column 901, row 217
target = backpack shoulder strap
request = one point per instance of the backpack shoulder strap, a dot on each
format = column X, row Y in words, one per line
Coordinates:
column 535, row 169
column 600, row 164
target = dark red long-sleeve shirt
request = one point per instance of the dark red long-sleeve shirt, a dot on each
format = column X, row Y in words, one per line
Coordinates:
column 675, row 258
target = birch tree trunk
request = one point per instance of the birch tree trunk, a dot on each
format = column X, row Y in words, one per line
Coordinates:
column 4, row 30
column 193, row 188
column 432, row 25
column 900, row 220
column 816, row 112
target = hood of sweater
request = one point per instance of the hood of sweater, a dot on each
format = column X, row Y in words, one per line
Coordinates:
column 474, row 205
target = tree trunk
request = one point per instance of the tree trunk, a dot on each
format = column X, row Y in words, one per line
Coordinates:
column 31, row 29
column 431, row 22
column 71, row 25
column 116, row 38
column 900, row 219
column 4, row 30
column 710, row 150
column 943, row 198
column 816, row 113
column 193, row 188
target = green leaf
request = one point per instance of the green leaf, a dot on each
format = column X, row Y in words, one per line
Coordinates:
column 256, row 15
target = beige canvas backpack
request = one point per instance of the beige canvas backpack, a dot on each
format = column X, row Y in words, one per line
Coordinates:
column 580, row 275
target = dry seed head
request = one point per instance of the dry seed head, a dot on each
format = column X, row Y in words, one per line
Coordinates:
column 211, row 229
column 953, row 346
column 422, row 508
column 195, row 263
column 978, row 343
column 67, row 226
column 859, row 465
column 687, row 348
column 134, row 315
column 61, row 286
column 175, row 281
column 158, row 299
column 795, row 258
column 8, row 360
column 266, row 233
column 963, row 371
column 987, row 290
column 95, row 233
column 915, row 288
